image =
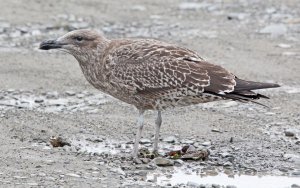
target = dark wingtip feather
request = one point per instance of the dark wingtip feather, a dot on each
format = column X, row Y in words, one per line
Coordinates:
column 243, row 85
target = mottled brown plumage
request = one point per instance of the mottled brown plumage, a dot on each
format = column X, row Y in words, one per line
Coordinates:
column 151, row 74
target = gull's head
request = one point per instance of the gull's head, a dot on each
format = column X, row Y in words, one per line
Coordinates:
column 77, row 42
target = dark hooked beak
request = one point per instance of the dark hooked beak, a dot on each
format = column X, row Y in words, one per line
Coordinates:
column 50, row 44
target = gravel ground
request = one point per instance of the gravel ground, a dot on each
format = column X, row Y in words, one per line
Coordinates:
column 44, row 94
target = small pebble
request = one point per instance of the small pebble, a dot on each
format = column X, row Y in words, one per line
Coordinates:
column 289, row 133
column 73, row 175
column 170, row 139
column 206, row 143
column 295, row 186
column 159, row 161
column 145, row 141
column 70, row 93
column 216, row 130
column 39, row 100
column 192, row 184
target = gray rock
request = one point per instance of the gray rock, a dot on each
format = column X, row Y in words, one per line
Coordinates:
column 145, row 141
column 80, row 95
column 191, row 149
column 159, row 161
column 39, row 100
column 227, row 164
column 73, row 175
column 178, row 162
column 216, row 130
column 206, row 143
column 226, row 154
column 289, row 133
column 52, row 95
column 192, row 184
column 231, row 186
column 170, row 139
column 57, row 102
column 215, row 186
column 274, row 29
column 145, row 160
column 295, row 186
column 237, row 16
column 296, row 173
column 291, row 157
column 187, row 141
column 70, row 93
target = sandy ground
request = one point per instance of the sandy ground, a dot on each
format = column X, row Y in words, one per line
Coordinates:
column 44, row 94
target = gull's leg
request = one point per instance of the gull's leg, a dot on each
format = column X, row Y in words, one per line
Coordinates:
column 140, row 124
column 157, row 129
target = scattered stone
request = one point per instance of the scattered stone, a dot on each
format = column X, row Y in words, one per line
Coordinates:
column 231, row 186
column 170, row 139
column 282, row 45
column 216, row 131
column 32, row 184
column 39, row 100
column 118, row 170
column 291, row 157
column 145, row 160
column 289, row 133
column 275, row 30
column 187, row 141
column 226, row 154
column 237, row 16
column 178, row 162
column 73, row 175
column 159, row 161
column 206, row 143
column 192, row 184
column 296, row 173
column 227, row 163
column 215, row 186
column 295, row 186
column 57, row 102
column 52, row 95
column 70, row 93
column 145, row 141
column 95, row 140
column 58, row 142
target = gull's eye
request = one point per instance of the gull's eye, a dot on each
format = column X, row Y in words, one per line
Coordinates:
column 78, row 38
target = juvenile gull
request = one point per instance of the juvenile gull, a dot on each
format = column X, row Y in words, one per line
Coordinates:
column 151, row 74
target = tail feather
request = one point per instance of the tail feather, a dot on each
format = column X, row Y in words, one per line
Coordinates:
column 243, row 85
column 242, row 91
